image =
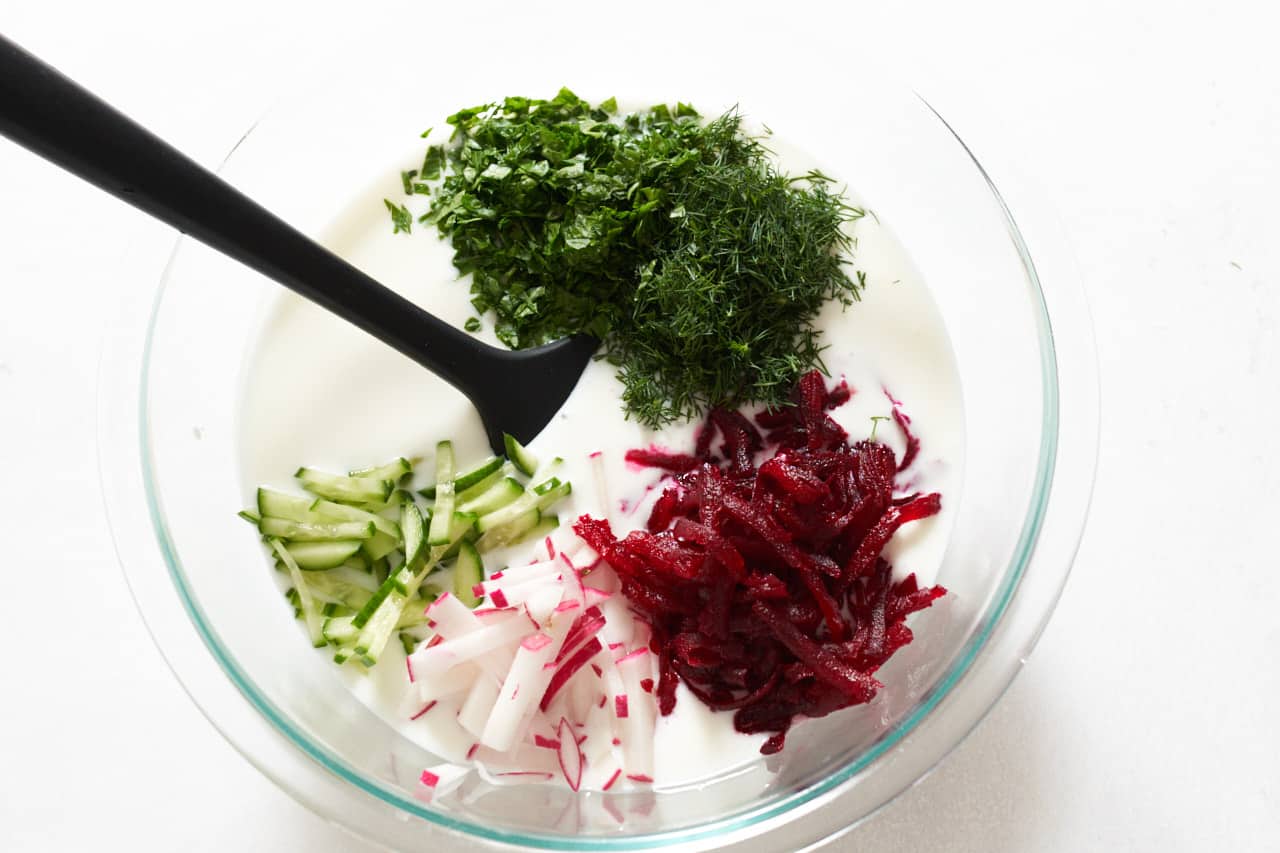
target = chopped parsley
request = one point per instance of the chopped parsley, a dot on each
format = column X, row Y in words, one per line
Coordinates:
column 674, row 240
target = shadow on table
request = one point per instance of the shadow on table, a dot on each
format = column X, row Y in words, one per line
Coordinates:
column 987, row 796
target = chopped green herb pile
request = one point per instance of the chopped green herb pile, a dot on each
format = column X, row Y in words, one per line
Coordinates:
column 673, row 240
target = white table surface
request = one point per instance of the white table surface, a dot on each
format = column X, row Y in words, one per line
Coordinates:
column 1147, row 717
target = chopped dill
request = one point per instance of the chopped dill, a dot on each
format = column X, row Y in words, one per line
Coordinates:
column 675, row 241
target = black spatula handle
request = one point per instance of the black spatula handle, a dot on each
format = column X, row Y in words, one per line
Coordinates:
column 54, row 117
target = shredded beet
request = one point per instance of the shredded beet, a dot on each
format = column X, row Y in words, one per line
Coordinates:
column 763, row 584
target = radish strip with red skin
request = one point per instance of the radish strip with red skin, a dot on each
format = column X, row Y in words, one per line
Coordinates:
column 567, row 670
column 435, row 661
column 570, row 755
column 525, row 682
column 636, row 728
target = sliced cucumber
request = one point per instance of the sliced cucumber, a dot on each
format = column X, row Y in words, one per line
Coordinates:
column 523, row 459
column 547, row 523
column 510, row 531
column 415, row 540
column 378, row 628
column 250, row 516
column 503, row 493
column 306, row 603
column 339, row 630
column 393, row 471
column 329, row 609
column 320, row 556
column 332, row 511
column 546, row 486
column 468, row 479
column 283, row 505
column 338, row 487
column 341, row 586
column 463, row 530
column 414, row 613
column 480, row 487
column 519, row 509
column 442, row 512
column 371, row 606
column 358, row 562
column 467, row 572
column 301, row 531
column 379, row 546
column 313, row 510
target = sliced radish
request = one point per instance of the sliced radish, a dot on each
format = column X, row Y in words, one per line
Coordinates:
column 637, row 727
column 424, row 710
column 525, row 683
column 567, row 670
column 479, row 705
column 433, row 662
column 570, row 754
column 542, row 602
column 454, row 681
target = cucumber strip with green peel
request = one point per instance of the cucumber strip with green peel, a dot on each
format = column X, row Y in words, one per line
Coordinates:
column 442, row 512
column 546, row 525
column 250, row 516
column 358, row 562
column 480, row 487
column 503, row 493
column 284, row 505
column 403, row 578
column 466, row 480
column 305, row 602
column 321, row 556
column 301, row 531
column 463, row 530
column 378, row 621
column 379, row 628
column 337, row 587
column 330, row 609
column 467, row 572
column 330, row 511
column 371, row 606
column 529, row 500
column 313, row 510
column 339, row 630
column 344, row 489
column 546, row 486
column 412, row 527
column 343, row 654
column 414, row 613
column 379, row 546
column 523, row 459
column 502, row 516
column 393, row 470
column 510, row 531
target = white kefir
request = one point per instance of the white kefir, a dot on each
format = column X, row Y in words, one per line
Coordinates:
column 321, row 393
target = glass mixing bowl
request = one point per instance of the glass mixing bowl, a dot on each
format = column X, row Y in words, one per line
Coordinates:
column 172, row 381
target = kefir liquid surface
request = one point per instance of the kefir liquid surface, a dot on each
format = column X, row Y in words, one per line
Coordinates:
column 319, row 392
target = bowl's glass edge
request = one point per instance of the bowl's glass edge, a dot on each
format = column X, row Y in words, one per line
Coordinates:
column 786, row 803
